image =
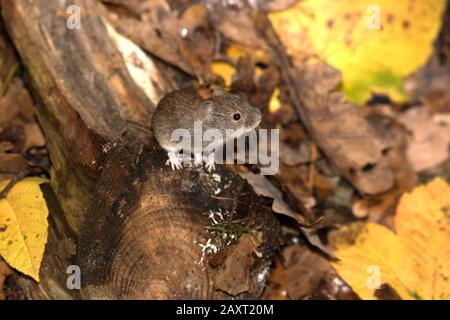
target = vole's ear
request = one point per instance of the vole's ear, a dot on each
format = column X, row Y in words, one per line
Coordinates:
column 216, row 92
column 206, row 108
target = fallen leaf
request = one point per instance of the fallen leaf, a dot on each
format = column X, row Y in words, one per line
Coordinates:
column 347, row 138
column 297, row 275
column 23, row 226
column 233, row 276
column 231, row 23
column 236, row 51
column 386, row 292
column 346, row 35
column 430, row 137
column 225, row 70
column 17, row 118
column 275, row 288
column 263, row 187
column 381, row 208
column 10, row 162
column 333, row 288
column 304, row 269
column 5, row 271
column 414, row 261
column 275, row 104
column 430, row 84
column 273, row 5
column 294, row 156
column 183, row 41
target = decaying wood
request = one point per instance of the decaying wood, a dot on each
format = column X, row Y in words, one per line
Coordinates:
column 140, row 227
column 145, row 230
column 83, row 90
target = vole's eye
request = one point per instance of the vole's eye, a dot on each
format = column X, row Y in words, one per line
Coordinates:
column 237, row 116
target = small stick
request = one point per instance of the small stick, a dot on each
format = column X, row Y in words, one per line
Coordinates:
column 9, row 77
column 312, row 168
column 19, row 176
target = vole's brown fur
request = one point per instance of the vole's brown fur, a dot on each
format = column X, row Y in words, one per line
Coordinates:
column 180, row 109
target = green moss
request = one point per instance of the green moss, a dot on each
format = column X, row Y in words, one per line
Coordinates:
column 232, row 231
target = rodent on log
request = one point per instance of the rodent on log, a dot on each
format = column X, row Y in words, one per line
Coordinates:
column 183, row 109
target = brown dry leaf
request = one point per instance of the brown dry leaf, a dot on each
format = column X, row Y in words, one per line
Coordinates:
column 346, row 138
column 185, row 40
column 415, row 261
column 375, row 207
column 274, row 5
column 235, row 25
column 380, row 208
column 17, row 119
column 263, row 187
column 234, row 274
column 12, row 163
column 298, row 276
column 333, row 288
column 136, row 7
column 244, row 79
column 304, row 270
column 294, row 156
column 275, row 288
column 430, row 137
column 430, row 84
column 5, row 271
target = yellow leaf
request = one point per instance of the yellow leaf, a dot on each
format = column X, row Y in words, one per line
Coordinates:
column 415, row 261
column 274, row 104
column 225, row 70
column 236, row 51
column 372, row 57
column 23, row 226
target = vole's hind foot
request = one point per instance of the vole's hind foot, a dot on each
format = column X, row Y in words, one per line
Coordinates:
column 175, row 161
column 209, row 162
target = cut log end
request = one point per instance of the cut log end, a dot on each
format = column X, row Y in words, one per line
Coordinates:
column 153, row 233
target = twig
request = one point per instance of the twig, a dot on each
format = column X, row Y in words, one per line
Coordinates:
column 312, row 168
column 266, row 30
column 19, row 176
column 8, row 79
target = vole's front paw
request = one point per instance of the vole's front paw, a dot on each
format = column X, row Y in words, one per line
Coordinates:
column 209, row 162
column 175, row 161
